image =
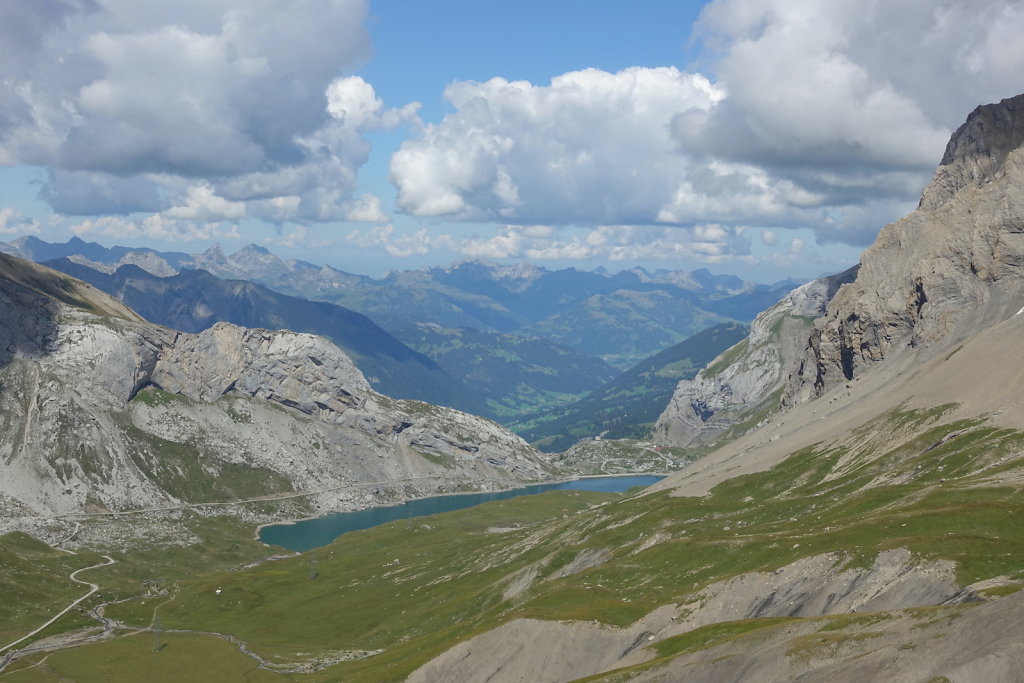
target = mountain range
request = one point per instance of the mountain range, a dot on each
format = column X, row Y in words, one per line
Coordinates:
column 855, row 514
column 639, row 313
column 487, row 373
column 571, row 331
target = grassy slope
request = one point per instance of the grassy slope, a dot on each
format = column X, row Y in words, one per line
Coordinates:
column 60, row 287
column 182, row 657
column 907, row 480
column 34, row 583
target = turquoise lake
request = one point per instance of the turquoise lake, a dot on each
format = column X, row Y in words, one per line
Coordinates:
column 314, row 533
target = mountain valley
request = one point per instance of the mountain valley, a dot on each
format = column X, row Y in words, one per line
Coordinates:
column 628, row 405
column 562, row 325
column 853, row 513
column 104, row 411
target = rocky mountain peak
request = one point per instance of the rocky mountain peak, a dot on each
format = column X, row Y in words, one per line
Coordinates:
column 256, row 261
column 951, row 268
column 977, row 151
column 215, row 254
column 518, row 271
column 253, row 249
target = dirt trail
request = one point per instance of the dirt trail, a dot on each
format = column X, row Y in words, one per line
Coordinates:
column 73, row 576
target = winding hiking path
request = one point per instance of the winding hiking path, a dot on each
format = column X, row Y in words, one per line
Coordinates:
column 73, row 576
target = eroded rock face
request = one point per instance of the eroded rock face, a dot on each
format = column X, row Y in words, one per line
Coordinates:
column 950, row 268
column 101, row 410
column 746, row 380
column 300, row 371
column 820, row 585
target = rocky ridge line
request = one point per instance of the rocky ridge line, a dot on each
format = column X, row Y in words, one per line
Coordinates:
column 746, row 379
column 952, row 267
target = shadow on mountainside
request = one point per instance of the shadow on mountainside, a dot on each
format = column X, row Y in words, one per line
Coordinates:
column 28, row 309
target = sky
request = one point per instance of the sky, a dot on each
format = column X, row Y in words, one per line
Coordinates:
column 764, row 138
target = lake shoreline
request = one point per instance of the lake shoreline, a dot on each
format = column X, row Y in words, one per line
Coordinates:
column 551, row 483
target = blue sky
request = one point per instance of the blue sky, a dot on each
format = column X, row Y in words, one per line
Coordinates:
column 766, row 138
column 419, row 47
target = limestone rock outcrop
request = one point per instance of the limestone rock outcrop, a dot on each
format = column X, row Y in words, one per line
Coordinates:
column 301, row 371
column 950, row 268
column 744, row 383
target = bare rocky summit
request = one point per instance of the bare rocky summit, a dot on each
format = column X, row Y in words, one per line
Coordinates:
column 977, row 151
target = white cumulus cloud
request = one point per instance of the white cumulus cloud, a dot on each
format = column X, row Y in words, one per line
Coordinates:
column 201, row 203
column 129, row 104
column 377, row 236
column 367, row 208
column 354, row 102
column 154, row 227
column 590, row 147
column 828, row 116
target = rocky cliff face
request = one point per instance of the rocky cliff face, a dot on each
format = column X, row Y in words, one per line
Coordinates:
column 300, row 371
column 101, row 410
column 950, row 268
column 744, row 383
